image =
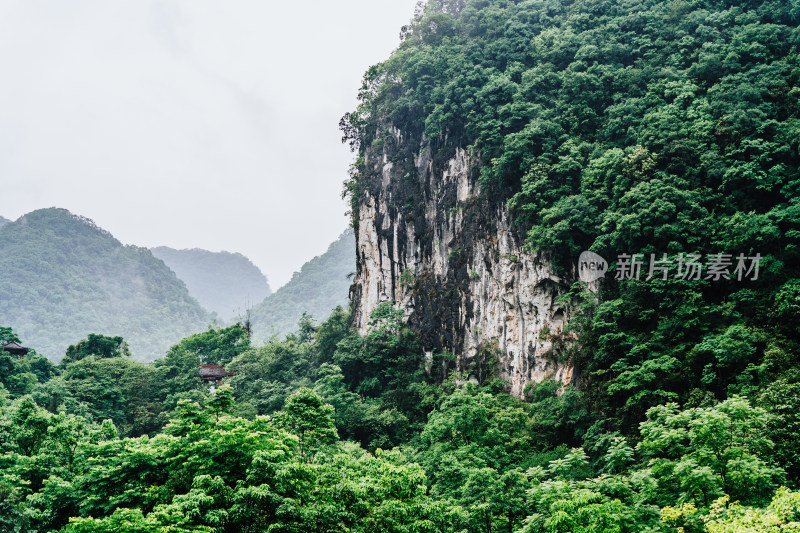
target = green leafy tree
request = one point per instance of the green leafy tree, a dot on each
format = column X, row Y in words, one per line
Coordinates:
column 217, row 346
column 7, row 335
column 29, row 426
column 97, row 345
column 618, row 456
column 265, row 376
column 782, row 514
column 310, row 418
column 134, row 521
column 781, row 400
column 221, row 402
column 12, row 513
column 329, row 333
column 701, row 454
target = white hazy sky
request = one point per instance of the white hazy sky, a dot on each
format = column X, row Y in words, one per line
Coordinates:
column 188, row 123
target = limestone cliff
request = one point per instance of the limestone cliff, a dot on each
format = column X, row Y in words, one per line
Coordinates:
column 430, row 240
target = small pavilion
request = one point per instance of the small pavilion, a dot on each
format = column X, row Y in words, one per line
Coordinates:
column 213, row 374
column 15, row 349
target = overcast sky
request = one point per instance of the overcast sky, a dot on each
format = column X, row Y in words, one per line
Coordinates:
column 189, row 123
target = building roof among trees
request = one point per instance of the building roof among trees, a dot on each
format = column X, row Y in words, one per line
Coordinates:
column 213, row 372
column 15, row 348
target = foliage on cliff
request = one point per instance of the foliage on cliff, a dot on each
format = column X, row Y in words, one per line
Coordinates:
column 642, row 127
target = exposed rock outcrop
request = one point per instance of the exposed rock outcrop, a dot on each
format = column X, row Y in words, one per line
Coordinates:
column 429, row 240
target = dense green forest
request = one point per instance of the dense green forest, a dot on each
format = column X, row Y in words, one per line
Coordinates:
column 320, row 285
column 330, row 431
column 62, row 277
column 664, row 128
column 222, row 282
column 615, row 126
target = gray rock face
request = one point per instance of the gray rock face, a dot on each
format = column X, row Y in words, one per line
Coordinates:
column 427, row 239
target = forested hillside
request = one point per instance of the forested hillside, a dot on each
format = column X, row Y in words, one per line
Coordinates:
column 4, row 221
column 661, row 128
column 223, row 282
column 330, row 431
column 644, row 127
column 62, row 277
column 319, row 286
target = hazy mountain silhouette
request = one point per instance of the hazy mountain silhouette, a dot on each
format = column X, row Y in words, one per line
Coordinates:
column 223, row 282
column 62, row 277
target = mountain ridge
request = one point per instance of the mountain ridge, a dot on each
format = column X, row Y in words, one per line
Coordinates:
column 63, row 277
column 222, row 282
column 317, row 288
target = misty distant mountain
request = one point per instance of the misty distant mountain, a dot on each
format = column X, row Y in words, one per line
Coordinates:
column 321, row 285
column 62, row 277
column 3, row 221
column 223, row 282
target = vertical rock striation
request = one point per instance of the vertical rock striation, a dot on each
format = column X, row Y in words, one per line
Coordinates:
column 428, row 239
